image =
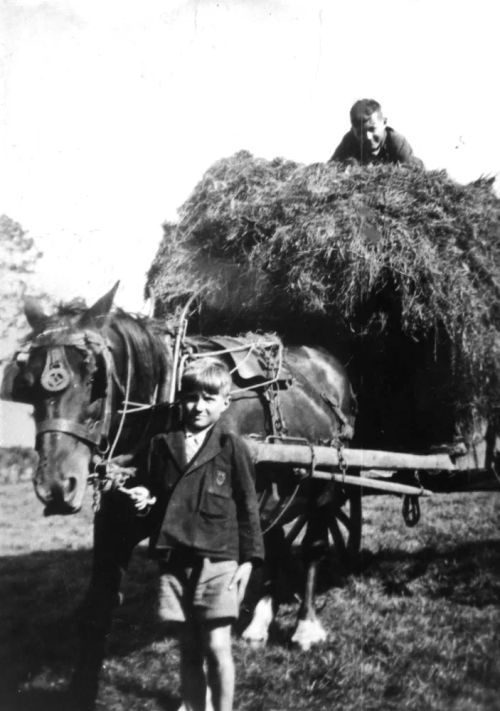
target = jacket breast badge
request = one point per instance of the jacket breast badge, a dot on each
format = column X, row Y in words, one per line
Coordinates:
column 220, row 477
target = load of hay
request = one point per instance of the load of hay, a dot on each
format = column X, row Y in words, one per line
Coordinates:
column 395, row 269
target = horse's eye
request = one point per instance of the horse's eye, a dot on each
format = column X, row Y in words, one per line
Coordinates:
column 93, row 410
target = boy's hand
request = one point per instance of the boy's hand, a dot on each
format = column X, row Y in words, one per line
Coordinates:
column 141, row 498
column 241, row 578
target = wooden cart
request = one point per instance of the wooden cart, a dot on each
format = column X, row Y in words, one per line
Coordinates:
column 359, row 472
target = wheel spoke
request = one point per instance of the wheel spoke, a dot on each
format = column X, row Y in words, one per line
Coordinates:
column 296, row 528
column 345, row 524
column 338, row 538
column 342, row 516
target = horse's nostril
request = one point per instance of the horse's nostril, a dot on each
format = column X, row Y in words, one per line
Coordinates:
column 42, row 492
column 70, row 485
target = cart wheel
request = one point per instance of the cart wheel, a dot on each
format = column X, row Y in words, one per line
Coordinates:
column 345, row 524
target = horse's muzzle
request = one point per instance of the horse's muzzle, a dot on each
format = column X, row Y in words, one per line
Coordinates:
column 60, row 480
column 62, row 496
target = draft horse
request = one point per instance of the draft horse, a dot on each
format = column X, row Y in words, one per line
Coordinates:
column 98, row 380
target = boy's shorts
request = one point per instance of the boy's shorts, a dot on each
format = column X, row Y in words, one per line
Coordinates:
column 198, row 591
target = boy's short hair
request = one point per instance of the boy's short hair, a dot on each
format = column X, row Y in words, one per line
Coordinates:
column 363, row 109
column 208, row 374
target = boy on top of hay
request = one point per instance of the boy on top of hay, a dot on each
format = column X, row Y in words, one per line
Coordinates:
column 370, row 140
column 207, row 531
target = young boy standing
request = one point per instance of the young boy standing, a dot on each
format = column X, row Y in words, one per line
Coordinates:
column 207, row 534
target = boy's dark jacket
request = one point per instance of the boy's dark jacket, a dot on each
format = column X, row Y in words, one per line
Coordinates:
column 394, row 149
column 209, row 504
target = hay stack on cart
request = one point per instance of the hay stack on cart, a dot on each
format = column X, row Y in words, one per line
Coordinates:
column 395, row 269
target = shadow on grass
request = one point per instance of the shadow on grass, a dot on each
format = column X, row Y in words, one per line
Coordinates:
column 40, row 595
column 41, row 591
column 164, row 700
column 59, row 700
column 36, row 700
column 467, row 574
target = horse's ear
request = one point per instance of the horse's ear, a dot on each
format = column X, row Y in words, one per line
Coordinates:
column 34, row 313
column 100, row 309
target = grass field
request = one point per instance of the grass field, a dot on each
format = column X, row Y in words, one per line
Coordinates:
column 416, row 628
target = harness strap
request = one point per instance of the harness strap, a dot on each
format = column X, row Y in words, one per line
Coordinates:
column 78, row 430
column 107, row 407
column 111, row 377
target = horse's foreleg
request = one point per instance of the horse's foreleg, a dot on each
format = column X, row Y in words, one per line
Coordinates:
column 257, row 632
column 309, row 630
column 264, row 612
column 93, row 626
column 114, row 540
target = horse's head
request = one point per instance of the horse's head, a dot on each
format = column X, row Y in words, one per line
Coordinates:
column 65, row 371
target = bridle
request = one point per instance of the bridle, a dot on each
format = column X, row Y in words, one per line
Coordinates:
column 56, row 378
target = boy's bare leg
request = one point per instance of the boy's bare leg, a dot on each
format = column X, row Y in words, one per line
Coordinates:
column 193, row 682
column 220, row 666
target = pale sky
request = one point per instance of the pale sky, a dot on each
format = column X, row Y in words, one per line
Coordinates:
column 112, row 110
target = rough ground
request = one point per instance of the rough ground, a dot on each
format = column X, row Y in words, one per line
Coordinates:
column 417, row 628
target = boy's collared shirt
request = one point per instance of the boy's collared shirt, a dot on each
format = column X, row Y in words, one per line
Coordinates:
column 193, row 441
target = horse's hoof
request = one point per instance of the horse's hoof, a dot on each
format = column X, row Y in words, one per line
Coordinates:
column 208, row 703
column 257, row 632
column 309, row 633
column 255, row 635
column 255, row 643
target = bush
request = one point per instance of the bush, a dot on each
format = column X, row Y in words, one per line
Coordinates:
column 17, row 464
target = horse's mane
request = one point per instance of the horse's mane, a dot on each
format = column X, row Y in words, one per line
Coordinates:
column 75, row 307
column 144, row 338
column 147, row 342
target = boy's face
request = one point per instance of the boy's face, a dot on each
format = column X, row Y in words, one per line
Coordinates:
column 370, row 132
column 201, row 409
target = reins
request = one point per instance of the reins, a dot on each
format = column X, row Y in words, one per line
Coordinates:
column 124, row 412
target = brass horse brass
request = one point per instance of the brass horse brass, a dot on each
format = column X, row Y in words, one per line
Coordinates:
column 56, row 374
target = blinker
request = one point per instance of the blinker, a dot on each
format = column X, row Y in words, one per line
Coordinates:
column 21, row 358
